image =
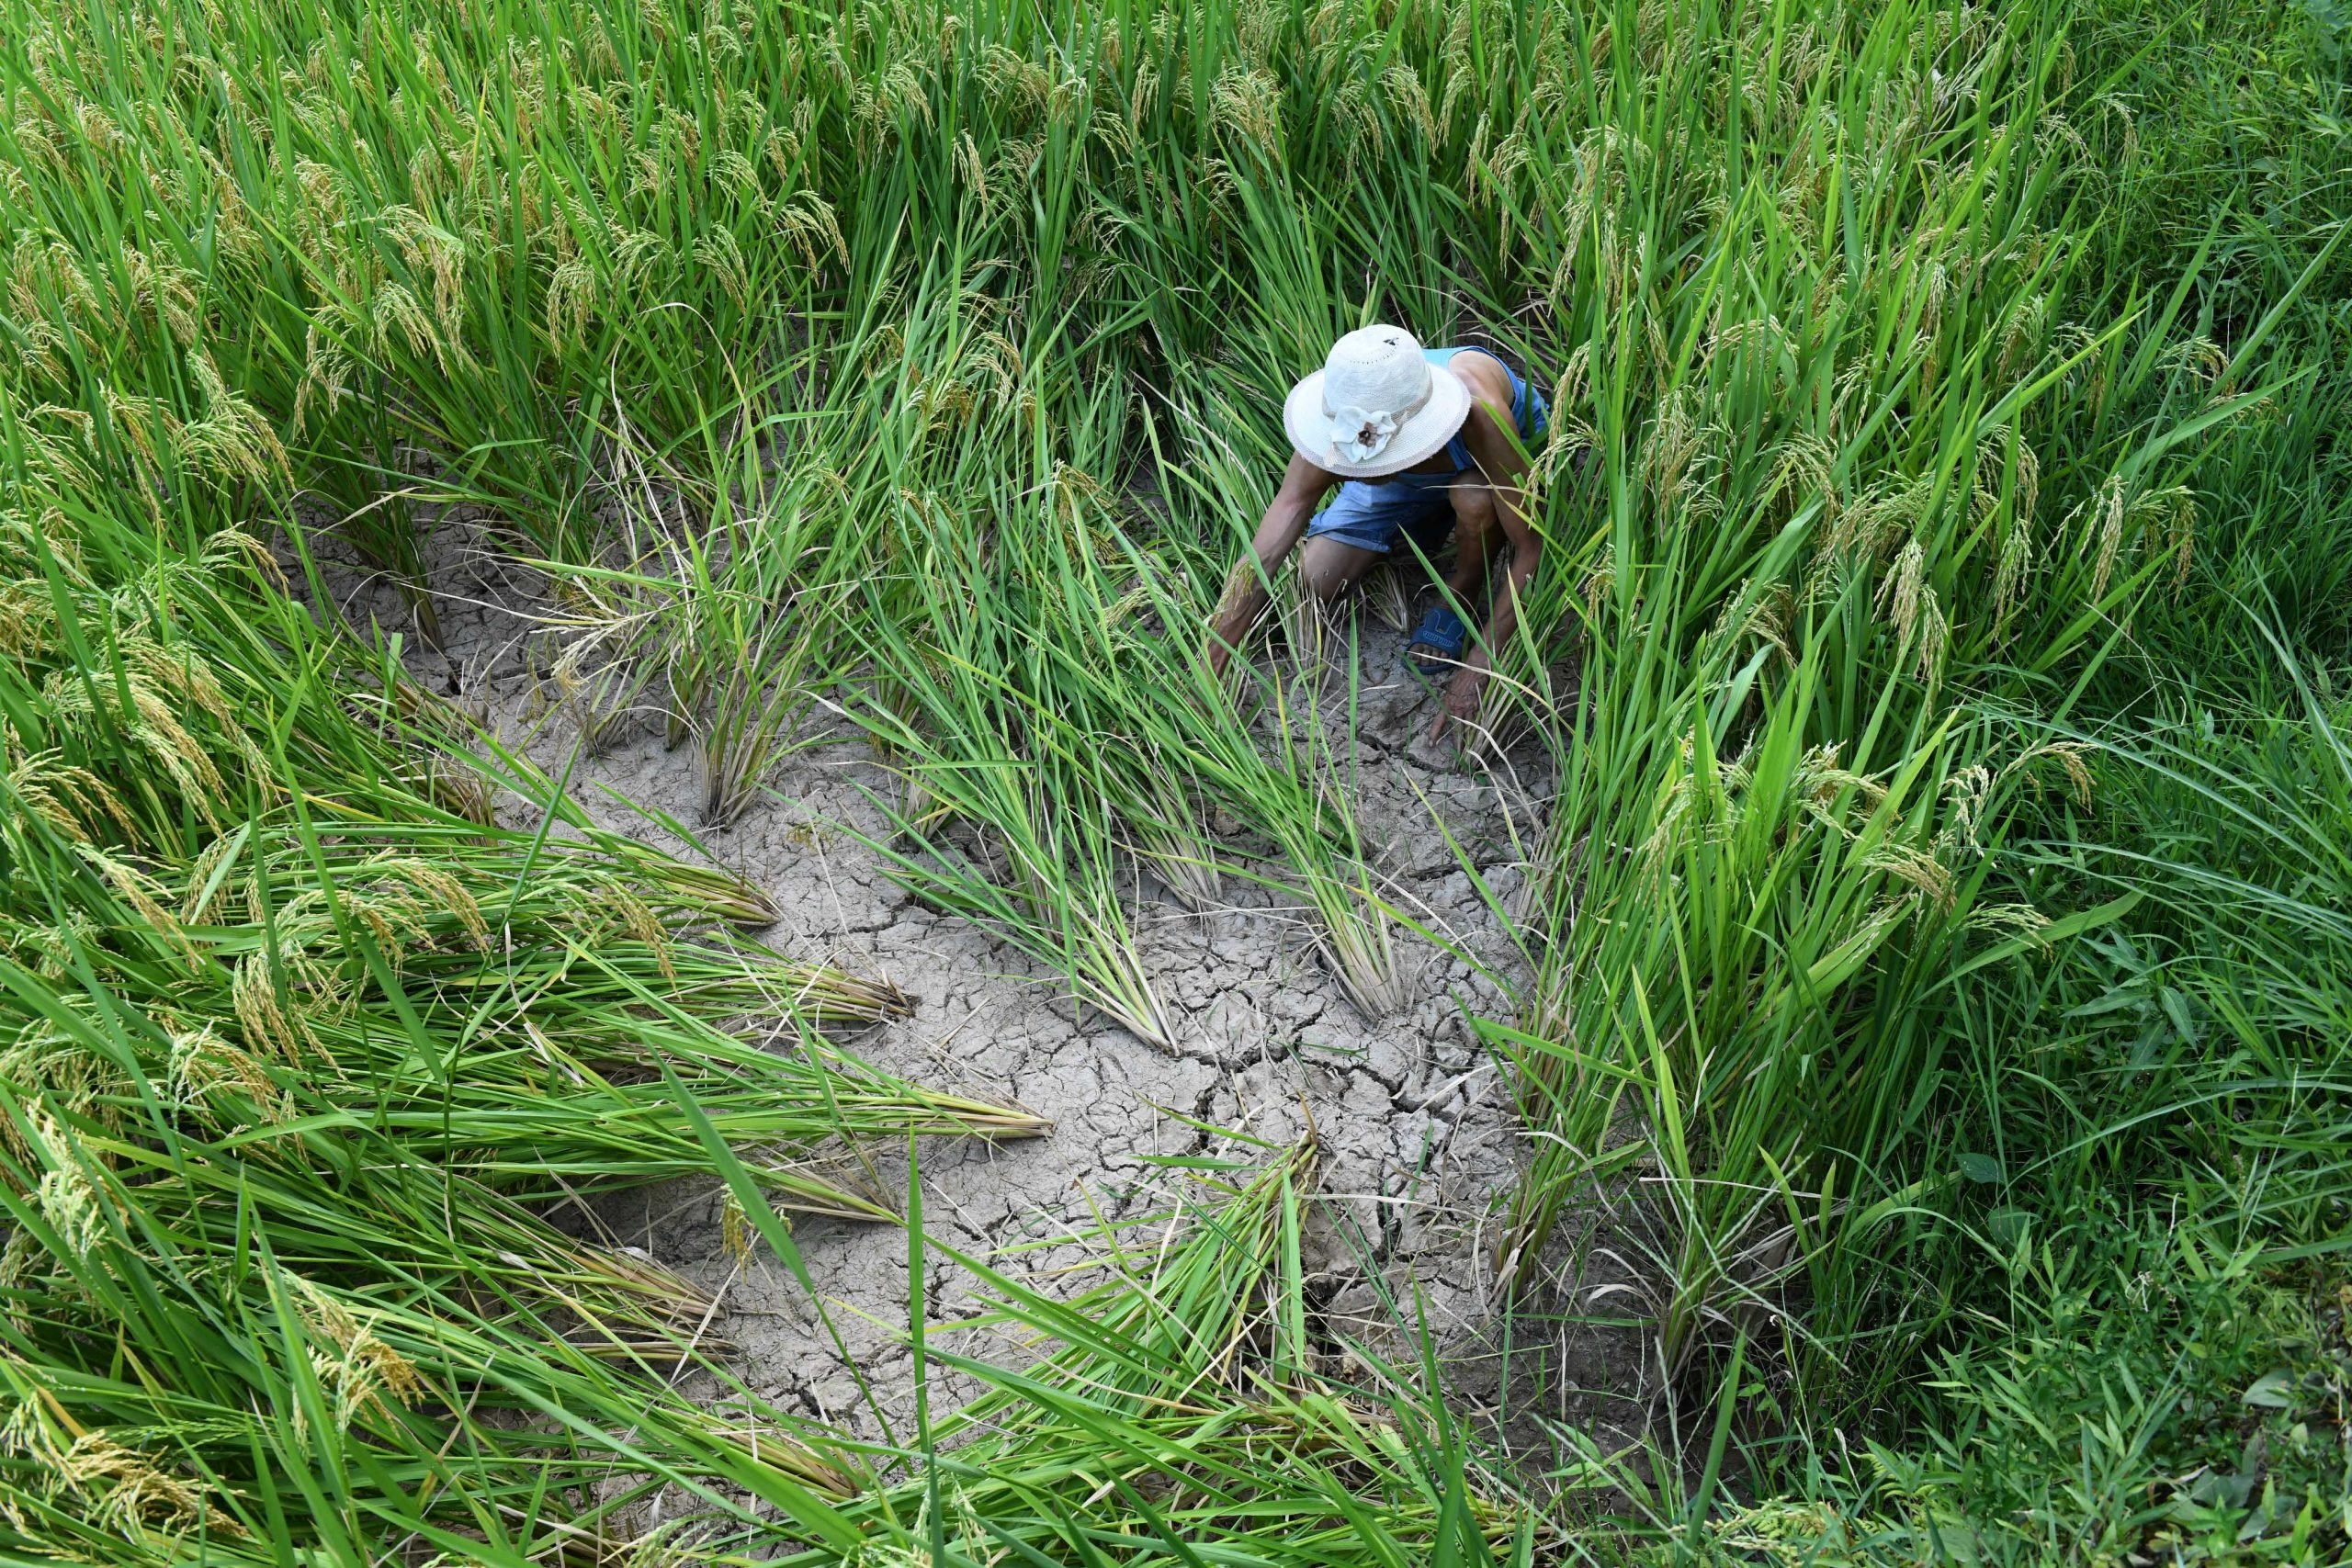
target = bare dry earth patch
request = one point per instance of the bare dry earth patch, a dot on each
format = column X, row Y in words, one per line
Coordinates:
column 1414, row 1118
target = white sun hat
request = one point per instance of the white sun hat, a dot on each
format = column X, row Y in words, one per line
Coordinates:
column 1376, row 406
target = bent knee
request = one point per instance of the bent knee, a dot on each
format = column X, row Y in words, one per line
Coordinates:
column 1329, row 571
column 1329, row 584
column 1474, row 515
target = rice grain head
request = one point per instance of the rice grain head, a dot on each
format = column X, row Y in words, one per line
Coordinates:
column 266, row 1023
column 73, row 801
column 145, row 896
column 1917, row 867
column 68, row 1195
column 2107, row 510
column 202, row 1064
column 360, row 1370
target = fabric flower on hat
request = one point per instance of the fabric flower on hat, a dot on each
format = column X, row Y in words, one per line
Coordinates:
column 1361, row 435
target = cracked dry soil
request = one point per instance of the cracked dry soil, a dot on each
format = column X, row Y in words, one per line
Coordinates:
column 1418, row 1132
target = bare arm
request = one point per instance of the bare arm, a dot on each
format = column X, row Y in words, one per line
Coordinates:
column 1278, row 533
column 1499, row 459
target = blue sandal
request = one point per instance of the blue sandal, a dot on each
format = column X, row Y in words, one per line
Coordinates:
column 1435, row 647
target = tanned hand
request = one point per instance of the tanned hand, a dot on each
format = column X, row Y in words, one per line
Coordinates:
column 1459, row 710
column 1226, row 626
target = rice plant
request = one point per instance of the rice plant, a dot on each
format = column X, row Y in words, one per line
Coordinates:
column 1291, row 782
column 1182, row 1397
column 297, row 1058
column 1041, row 865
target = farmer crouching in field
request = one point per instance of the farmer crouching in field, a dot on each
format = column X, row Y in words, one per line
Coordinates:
column 1424, row 445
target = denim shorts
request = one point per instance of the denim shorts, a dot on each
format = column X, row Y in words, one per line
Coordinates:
column 1419, row 507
